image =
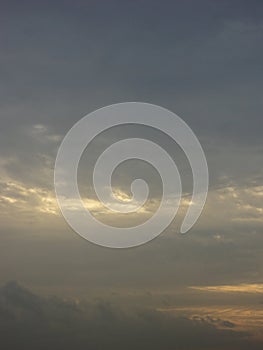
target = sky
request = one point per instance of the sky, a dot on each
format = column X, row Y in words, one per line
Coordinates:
column 61, row 60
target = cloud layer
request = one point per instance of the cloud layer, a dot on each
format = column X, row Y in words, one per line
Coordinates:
column 30, row 321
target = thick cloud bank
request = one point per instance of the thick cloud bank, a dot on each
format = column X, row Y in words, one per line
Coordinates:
column 28, row 321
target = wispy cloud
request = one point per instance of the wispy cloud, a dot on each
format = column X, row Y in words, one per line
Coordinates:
column 239, row 288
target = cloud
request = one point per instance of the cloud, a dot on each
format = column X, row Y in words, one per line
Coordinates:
column 242, row 318
column 28, row 321
column 239, row 288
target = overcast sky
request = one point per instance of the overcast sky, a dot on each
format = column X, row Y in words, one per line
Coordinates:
column 200, row 59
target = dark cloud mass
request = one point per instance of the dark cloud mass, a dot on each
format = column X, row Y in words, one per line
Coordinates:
column 29, row 321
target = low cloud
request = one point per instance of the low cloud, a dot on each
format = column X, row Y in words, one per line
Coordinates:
column 29, row 321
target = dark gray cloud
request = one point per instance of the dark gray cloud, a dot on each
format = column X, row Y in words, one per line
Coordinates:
column 29, row 321
column 203, row 61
